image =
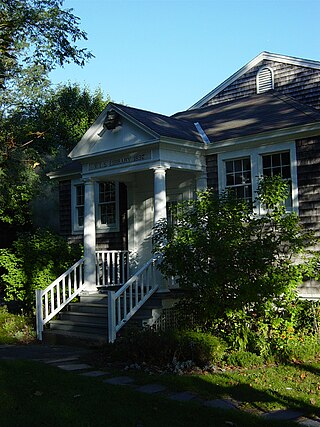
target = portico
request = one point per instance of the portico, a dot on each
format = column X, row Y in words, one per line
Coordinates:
column 156, row 171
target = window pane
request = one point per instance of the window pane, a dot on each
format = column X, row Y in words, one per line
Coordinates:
column 276, row 160
column 80, row 194
column 246, row 164
column 230, row 180
column 80, row 211
column 266, row 161
column 238, row 165
column 229, row 167
column 285, row 158
column 278, row 164
column 106, row 192
column 238, row 178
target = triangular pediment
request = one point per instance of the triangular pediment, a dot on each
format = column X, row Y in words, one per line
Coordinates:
column 99, row 140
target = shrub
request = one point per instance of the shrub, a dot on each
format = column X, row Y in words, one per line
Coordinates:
column 244, row 359
column 165, row 347
column 34, row 261
column 15, row 328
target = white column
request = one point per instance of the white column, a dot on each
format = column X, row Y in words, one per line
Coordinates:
column 89, row 237
column 201, row 183
column 160, row 211
column 160, row 195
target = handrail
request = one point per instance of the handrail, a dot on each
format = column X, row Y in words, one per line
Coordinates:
column 125, row 302
column 56, row 296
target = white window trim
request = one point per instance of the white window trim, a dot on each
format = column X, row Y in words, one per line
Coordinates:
column 255, row 155
column 104, row 227
column 100, row 228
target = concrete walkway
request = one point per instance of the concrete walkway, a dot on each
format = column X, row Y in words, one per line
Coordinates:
column 69, row 359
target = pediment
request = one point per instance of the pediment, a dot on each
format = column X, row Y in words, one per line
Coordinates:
column 100, row 140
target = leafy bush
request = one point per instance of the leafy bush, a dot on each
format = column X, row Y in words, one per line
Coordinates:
column 244, row 359
column 34, row 261
column 164, row 347
column 15, row 328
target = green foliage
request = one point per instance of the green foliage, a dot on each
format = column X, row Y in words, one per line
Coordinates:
column 15, row 328
column 241, row 272
column 166, row 347
column 35, row 260
column 38, row 33
column 244, row 359
column 33, row 142
column 231, row 259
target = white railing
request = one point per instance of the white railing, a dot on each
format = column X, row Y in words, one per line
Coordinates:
column 112, row 268
column 125, row 302
column 57, row 295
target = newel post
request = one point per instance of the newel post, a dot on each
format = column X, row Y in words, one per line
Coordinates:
column 39, row 316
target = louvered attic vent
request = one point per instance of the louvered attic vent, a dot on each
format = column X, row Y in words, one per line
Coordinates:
column 264, row 79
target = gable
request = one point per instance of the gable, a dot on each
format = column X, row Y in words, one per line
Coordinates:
column 99, row 140
column 297, row 78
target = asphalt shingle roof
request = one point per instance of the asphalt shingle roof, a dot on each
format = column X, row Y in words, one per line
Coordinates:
column 247, row 116
column 163, row 125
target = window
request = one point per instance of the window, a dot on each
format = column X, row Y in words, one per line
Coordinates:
column 106, row 209
column 238, row 178
column 107, row 204
column 240, row 171
column 278, row 164
column 264, row 80
column 79, row 221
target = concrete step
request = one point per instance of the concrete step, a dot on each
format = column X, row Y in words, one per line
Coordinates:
column 80, row 307
column 75, row 327
column 87, row 318
column 94, row 298
column 80, row 339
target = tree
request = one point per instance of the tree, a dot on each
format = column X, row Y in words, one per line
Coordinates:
column 35, row 37
column 38, row 35
column 231, row 260
column 45, row 134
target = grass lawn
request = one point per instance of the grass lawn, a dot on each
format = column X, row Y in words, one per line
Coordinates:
column 267, row 388
column 34, row 394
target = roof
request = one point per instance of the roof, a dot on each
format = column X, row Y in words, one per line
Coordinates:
column 255, row 61
column 71, row 168
column 252, row 115
column 259, row 113
column 164, row 126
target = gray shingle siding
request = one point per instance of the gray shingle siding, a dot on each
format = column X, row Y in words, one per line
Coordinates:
column 302, row 83
column 308, row 170
column 212, row 172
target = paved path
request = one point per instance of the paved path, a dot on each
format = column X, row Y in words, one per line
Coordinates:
column 69, row 359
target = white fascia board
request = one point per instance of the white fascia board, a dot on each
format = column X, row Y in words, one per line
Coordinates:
column 262, row 56
column 264, row 138
column 183, row 143
column 71, row 175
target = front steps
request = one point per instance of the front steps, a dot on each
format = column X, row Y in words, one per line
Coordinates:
column 86, row 322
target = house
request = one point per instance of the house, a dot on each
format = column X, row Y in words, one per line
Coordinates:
column 132, row 166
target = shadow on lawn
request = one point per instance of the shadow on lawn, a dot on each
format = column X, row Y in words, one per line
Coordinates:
column 249, row 394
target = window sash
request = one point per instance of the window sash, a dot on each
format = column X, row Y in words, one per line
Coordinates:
column 107, row 206
column 256, row 153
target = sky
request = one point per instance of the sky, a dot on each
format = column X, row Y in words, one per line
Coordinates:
column 165, row 55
